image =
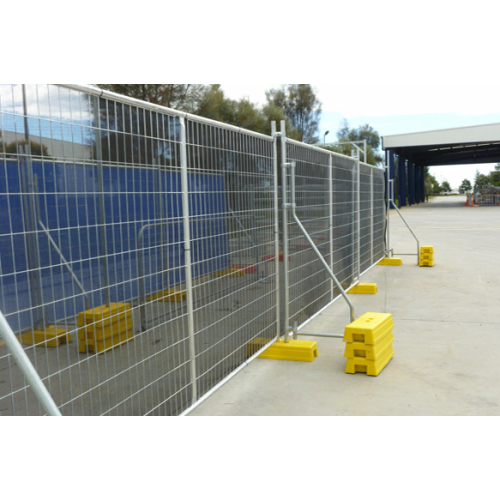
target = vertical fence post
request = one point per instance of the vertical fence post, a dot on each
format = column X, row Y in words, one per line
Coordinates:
column 358, row 215
column 388, row 211
column 276, row 229
column 102, row 216
column 330, row 214
column 28, row 202
column 372, row 215
column 286, row 278
column 355, row 193
column 187, row 257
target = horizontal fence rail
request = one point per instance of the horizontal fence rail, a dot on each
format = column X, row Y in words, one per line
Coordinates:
column 141, row 248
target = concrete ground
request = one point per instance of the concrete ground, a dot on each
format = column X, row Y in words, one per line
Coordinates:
column 447, row 326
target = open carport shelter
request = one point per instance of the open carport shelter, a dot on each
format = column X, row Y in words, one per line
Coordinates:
column 407, row 155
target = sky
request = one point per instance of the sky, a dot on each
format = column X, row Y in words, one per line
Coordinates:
column 398, row 109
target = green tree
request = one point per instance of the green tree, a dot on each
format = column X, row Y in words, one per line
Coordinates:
column 181, row 96
column 37, row 149
column 243, row 113
column 494, row 176
column 480, row 181
column 346, row 135
column 215, row 105
column 301, row 107
column 465, row 187
column 432, row 186
column 445, row 186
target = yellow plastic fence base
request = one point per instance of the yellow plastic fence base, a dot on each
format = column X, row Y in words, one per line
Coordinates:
column 391, row 261
column 168, row 296
column 364, row 289
column 105, row 327
column 369, row 352
column 426, row 258
column 426, row 263
column 100, row 346
column 369, row 342
column 294, row 350
column 50, row 337
column 369, row 328
column 371, row 368
column 102, row 315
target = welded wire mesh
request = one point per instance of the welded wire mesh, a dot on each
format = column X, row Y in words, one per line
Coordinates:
column 139, row 247
column 310, row 287
column 343, row 211
column 372, row 215
column 92, row 216
column 487, row 199
column 235, row 302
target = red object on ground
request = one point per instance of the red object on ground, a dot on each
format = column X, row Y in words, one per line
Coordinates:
column 271, row 257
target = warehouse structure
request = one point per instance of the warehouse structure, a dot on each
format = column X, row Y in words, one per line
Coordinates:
column 408, row 154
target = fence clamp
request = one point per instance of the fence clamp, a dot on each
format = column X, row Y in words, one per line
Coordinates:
column 289, row 165
column 289, row 205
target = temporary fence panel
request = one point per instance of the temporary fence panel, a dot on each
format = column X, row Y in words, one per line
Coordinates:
column 340, row 203
column 310, row 288
column 234, row 305
column 140, row 259
column 487, row 199
column 93, row 211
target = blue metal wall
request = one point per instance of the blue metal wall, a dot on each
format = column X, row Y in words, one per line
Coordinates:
column 68, row 204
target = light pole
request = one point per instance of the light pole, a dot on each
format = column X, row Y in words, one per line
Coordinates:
column 324, row 137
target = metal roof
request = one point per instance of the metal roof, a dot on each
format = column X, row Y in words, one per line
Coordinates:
column 454, row 146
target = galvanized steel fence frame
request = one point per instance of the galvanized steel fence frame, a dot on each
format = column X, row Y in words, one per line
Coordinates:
column 181, row 218
column 334, row 220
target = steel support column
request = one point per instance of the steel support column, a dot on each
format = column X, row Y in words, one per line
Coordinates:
column 389, row 159
column 418, row 190
column 422, row 184
column 412, row 195
column 402, row 181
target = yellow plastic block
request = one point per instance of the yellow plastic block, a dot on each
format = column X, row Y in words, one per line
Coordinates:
column 369, row 328
column 294, row 350
column 426, row 250
column 423, row 263
column 426, row 263
column 426, row 256
column 426, row 259
column 50, row 337
column 99, row 346
column 370, row 352
column 231, row 273
column 168, row 296
column 371, row 368
column 103, row 332
column 364, row 289
column 102, row 315
column 391, row 261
